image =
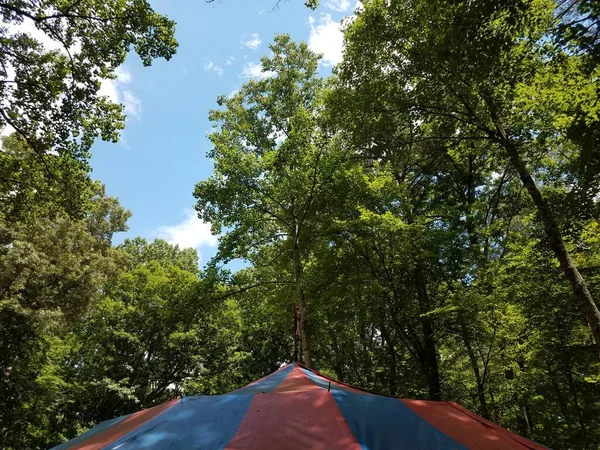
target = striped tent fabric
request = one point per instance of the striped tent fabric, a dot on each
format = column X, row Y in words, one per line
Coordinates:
column 298, row 408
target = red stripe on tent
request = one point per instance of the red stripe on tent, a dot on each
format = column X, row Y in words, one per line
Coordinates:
column 468, row 428
column 294, row 421
column 296, row 381
column 520, row 439
column 120, row 429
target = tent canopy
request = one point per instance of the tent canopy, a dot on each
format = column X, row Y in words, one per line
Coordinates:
column 298, row 408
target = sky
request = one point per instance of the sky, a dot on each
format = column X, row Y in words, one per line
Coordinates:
column 162, row 151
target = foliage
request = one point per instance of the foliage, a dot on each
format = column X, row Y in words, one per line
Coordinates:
column 425, row 207
column 54, row 56
column 141, row 252
column 55, row 257
column 274, row 165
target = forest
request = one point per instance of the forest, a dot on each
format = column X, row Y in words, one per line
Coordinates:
column 430, row 210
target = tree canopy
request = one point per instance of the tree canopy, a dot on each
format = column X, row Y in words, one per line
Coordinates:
column 53, row 58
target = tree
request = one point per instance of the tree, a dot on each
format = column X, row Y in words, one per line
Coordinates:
column 394, row 249
column 140, row 341
column 504, row 88
column 27, row 190
column 143, row 252
column 50, row 93
column 55, row 256
column 274, row 163
column 158, row 332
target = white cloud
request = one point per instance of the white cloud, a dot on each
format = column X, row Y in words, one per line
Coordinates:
column 229, row 61
column 338, row 5
column 212, row 67
column 109, row 89
column 116, row 91
column 253, row 42
column 327, row 39
column 123, row 142
column 190, row 233
column 133, row 105
column 7, row 130
column 254, row 70
column 123, row 75
column 28, row 27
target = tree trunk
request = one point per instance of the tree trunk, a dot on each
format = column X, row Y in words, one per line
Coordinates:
column 338, row 357
column 301, row 299
column 470, row 220
column 392, row 355
column 569, row 374
column 526, row 422
column 475, row 366
column 429, row 349
column 527, row 418
column 558, row 392
column 555, row 240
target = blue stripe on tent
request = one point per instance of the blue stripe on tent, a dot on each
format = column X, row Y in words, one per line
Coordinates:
column 98, row 428
column 206, row 422
column 267, row 384
column 381, row 423
column 320, row 381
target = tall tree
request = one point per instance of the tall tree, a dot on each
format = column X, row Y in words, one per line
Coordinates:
column 505, row 87
column 55, row 256
column 274, row 162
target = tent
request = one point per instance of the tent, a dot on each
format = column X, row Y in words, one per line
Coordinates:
column 298, row 408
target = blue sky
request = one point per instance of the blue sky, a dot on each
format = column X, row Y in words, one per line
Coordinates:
column 162, row 152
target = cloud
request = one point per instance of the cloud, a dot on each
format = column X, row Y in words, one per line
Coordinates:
column 115, row 90
column 190, row 233
column 28, row 26
column 6, row 131
column 254, row 70
column 338, row 5
column 327, row 39
column 253, row 42
column 123, row 75
column 212, row 67
column 133, row 105
column 229, row 61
